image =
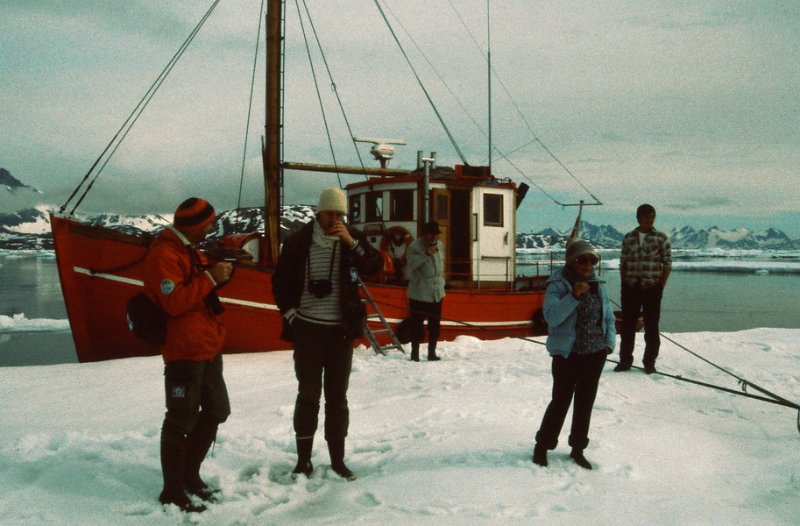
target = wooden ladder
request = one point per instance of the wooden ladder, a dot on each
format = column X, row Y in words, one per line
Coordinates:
column 371, row 334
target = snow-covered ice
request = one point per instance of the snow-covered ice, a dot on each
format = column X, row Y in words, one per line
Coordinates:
column 433, row 443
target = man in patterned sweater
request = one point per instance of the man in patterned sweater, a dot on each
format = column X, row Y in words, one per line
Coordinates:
column 644, row 266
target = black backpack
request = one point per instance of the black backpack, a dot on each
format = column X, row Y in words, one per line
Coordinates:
column 146, row 321
column 410, row 330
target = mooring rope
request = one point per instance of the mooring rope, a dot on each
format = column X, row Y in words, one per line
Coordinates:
column 770, row 398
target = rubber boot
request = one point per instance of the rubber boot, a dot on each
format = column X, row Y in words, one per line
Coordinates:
column 432, row 352
column 304, row 465
column 577, row 456
column 197, row 445
column 414, row 352
column 336, row 451
column 540, row 455
column 172, row 466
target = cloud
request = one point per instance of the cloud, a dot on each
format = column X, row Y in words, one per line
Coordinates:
column 698, row 102
column 704, row 204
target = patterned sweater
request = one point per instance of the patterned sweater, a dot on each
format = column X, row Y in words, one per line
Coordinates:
column 643, row 264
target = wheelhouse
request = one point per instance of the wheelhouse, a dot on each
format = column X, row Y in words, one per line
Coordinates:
column 476, row 213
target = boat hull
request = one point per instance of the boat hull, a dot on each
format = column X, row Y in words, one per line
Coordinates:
column 100, row 270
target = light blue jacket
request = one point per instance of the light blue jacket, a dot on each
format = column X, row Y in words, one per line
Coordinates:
column 560, row 311
column 425, row 273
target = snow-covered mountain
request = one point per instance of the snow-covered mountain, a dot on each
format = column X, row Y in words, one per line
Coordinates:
column 252, row 220
column 606, row 236
column 741, row 238
column 16, row 195
column 12, row 184
column 30, row 229
column 603, row 236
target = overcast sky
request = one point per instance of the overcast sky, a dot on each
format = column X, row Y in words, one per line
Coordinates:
column 691, row 106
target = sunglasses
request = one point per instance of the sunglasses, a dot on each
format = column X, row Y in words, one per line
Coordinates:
column 586, row 260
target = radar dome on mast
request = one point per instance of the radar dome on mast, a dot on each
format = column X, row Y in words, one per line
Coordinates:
column 381, row 150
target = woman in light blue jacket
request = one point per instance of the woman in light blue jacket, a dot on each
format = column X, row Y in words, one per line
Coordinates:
column 581, row 333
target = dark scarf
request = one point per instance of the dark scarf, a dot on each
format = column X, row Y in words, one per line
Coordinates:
column 589, row 336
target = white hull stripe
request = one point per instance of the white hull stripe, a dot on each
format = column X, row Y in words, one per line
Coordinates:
column 268, row 306
column 468, row 324
column 140, row 283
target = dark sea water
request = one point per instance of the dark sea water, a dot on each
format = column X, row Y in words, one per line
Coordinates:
column 712, row 292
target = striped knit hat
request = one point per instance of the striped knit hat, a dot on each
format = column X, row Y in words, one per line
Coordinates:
column 194, row 214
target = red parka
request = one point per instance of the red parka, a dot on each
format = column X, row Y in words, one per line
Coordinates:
column 179, row 287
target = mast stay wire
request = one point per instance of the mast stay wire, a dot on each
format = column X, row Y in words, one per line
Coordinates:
column 335, row 92
column 522, row 115
column 126, row 127
column 249, row 114
column 314, row 76
column 504, row 155
column 421, row 85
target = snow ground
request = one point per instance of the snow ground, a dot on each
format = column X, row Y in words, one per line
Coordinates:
column 433, row 443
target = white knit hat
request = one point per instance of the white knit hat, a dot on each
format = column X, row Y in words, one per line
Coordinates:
column 332, row 200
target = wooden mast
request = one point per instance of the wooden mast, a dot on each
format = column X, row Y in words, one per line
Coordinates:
column 271, row 149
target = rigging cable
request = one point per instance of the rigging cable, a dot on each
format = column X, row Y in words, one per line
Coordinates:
column 770, row 398
column 336, row 94
column 316, row 84
column 504, row 155
column 334, row 90
column 135, row 114
column 249, row 113
column 421, row 85
column 523, row 118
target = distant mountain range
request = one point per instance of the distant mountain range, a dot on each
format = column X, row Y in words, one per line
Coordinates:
column 29, row 229
column 606, row 236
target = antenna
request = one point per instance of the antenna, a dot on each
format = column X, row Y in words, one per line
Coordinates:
column 381, row 149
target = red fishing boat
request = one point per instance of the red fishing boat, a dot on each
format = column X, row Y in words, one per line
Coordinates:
column 101, row 269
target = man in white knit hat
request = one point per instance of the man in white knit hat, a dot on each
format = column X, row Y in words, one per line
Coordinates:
column 316, row 291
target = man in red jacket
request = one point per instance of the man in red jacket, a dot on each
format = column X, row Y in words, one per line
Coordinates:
column 181, row 281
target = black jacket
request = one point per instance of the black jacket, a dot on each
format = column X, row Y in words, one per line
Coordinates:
column 289, row 277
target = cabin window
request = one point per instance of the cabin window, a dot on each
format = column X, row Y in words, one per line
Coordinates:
column 355, row 208
column 374, row 206
column 402, row 205
column 492, row 210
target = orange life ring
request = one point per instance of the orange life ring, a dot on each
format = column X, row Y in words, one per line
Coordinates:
column 394, row 245
column 396, row 236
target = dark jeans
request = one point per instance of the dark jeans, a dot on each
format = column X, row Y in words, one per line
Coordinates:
column 420, row 310
column 196, row 396
column 576, row 376
column 648, row 302
column 323, row 357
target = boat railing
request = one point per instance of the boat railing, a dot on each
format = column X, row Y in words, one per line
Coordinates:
column 494, row 273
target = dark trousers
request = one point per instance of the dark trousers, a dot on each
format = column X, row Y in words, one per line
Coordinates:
column 576, row 376
column 420, row 311
column 197, row 402
column 648, row 302
column 196, row 397
column 323, row 357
